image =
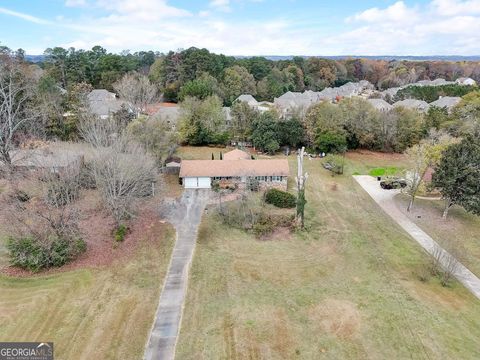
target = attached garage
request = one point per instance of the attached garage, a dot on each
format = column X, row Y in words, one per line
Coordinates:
column 197, row 182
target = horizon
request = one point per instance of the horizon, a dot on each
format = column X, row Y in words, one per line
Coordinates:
column 421, row 28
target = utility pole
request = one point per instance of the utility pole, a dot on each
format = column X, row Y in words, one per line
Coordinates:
column 301, row 179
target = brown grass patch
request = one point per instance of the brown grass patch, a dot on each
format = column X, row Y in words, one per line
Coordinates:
column 264, row 333
column 339, row 318
column 440, row 296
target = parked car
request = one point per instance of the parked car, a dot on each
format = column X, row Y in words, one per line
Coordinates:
column 393, row 183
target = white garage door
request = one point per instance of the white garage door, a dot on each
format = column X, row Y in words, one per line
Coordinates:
column 204, row 182
column 197, row 183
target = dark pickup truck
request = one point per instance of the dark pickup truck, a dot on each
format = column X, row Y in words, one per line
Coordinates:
column 393, row 183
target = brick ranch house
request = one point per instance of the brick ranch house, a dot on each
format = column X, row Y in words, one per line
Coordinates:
column 236, row 168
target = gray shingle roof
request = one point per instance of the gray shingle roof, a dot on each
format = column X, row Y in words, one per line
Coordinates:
column 413, row 104
column 103, row 103
column 380, row 104
column 249, row 99
column 446, row 102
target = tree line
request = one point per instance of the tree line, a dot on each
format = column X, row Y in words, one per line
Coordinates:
column 198, row 72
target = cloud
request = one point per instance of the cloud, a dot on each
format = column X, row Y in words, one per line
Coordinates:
column 223, row 5
column 440, row 27
column 397, row 13
column 443, row 27
column 456, row 7
column 75, row 3
column 23, row 16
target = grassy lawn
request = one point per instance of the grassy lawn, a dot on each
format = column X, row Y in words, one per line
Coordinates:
column 348, row 288
column 460, row 226
column 103, row 313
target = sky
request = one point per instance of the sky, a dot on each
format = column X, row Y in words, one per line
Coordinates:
column 246, row 27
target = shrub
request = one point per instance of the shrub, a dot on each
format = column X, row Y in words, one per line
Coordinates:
column 34, row 254
column 120, row 232
column 280, row 198
column 62, row 191
column 335, row 163
column 86, row 179
column 20, row 196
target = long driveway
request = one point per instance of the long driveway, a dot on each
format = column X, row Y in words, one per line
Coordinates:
column 384, row 198
column 185, row 215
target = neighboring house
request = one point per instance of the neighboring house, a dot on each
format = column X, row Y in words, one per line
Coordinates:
column 252, row 102
column 296, row 102
column 380, row 105
column 200, row 174
column 391, row 92
column 413, row 104
column 249, row 99
column 169, row 112
column 104, row 103
column 237, row 155
column 54, row 161
column 465, row 81
column 448, row 102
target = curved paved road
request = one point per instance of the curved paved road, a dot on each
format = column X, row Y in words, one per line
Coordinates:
column 185, row 215
column 384, row 198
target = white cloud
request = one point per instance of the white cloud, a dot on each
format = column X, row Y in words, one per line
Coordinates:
column 397, row 13
column 439, row 27
column 223, row 5
column 456, row 7
column 75, row 3
column 23, row 16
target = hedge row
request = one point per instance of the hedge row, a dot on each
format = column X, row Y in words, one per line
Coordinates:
column 280, row 198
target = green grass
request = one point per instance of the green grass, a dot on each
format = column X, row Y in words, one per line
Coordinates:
column 103, row 313
column 460, row 226
column 389, row 171
column 347, row 288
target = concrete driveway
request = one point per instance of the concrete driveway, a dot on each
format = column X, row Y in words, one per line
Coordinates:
column 185, row 215
column 384, row 198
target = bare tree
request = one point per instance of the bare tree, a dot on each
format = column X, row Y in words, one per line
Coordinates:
column 446, row 259
column 98, row 133
column 137, row 90
column 15, row 94
column 123, row 172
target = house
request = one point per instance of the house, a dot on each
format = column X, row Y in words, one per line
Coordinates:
column 54, row 161
column 447, row 102
column 200, row 174
column 465, row 81
column 413, row 104
column 252, row 102
column 168, row 112
column 297, row 102
column 104, row 103
column 380, row 105
column 247, row 98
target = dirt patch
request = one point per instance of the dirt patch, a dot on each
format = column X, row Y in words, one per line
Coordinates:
column 339, row 318
column 362, row 154
column 280, row 233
